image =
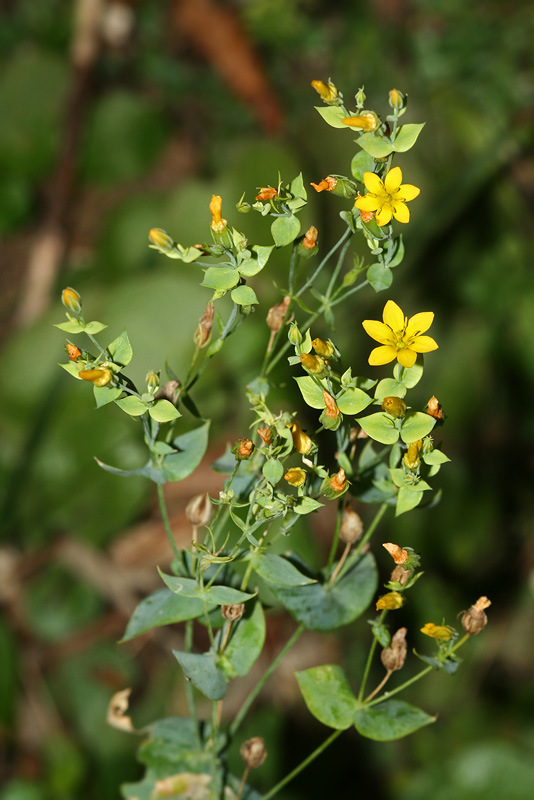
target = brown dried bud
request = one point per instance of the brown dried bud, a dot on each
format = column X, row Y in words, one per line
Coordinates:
column 398, row 554
column 242, row 449
column 233, row 612
column 351, row 526
column 205, row 323
column 254, row 752
column 266, row 435
column 73, row 352
column 400, row 575
column 198, row 510
column 310, row 238
column 338, row 481
column 169, row 391
column 276, row 314
column 475, row 619
column 332, row 411
column 327, row 184
column 434, row 408
column 394, row 656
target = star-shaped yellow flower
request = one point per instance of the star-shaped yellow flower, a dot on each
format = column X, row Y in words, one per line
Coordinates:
column 387, row 197
column 400, row 337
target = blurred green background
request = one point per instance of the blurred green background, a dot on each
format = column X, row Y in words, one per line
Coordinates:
column 121, row 116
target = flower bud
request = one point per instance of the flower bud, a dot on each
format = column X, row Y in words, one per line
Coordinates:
column 243, row 449
column 314, row 364
column 338, row 482
column 152, row 382
column 233, row 612
column 160, row 240
column 301, row 441
column 441, row 632
column 475, row 619
column 277, row 313
column 360, row 98
column 332, row 411
column 324, row 349
column 266, row 193
column 400, row 575
column 390, row 601
column 294, row 335
column 433, row 408
column 71, row 300
column 394, row 406
column 98, row 377
column 411, row 457
column 396, row 99
column 351, row 528
column 266, row 435
column 398, row 554
column 203, row 332
column 310, row 238
column 73, row 352
column 198, row 510
column 394, row 656
column 218, row 224
column 327, row 91
column 366, row 121
column 327, row 184
column 253, row 752
column 295, row 476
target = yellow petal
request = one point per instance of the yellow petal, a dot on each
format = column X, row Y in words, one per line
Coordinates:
column 406, row 357
column 424, row 344
column 369, row 202
column 401, row 212
column 382, row 355
column 419, row 323
column 407, row 192
column 393, row 180
column 377, row 330
column 383, row 216
column 393, row 316
column 373, row 183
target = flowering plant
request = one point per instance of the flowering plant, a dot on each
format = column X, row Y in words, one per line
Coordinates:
column 280, row 473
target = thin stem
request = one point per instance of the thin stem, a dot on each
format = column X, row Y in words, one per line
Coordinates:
column 335, row 540
column 189, row 691
column 337, row 268
column 325, row 260
column 344, row 296
column 369, row 662
column 263, row 680
column 166, row 523
column 214, row 729
column 382, row 683
column 317, row 752
column 340, row 563
column 372, row 527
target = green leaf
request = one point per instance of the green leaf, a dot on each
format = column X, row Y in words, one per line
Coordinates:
column 132, row 405
column 249, row 267
column 328, row 695
column 410, row 376
column 148, row 471
column 263, row 253
column 324, row 607
column 407, row 500
column 305, row 505
column 188, row 254
column 284, row 230
column 220, row 595
column 244, row 296
column 247, row 639
column 203, row 673
column 273, row 470
column 435, row 457
column 381, row 634
column 407, row 136
column 70, row 327
column 376, row 146
column 333, row 115
column 163, row 411
column 380, row 277
column 380, row 427
column 297, row 187
column 220, row 278
column 399, row 479
column 121, row 350
column 352, row 401
column 162, row 608
column 362, row 162
column 416, row 425
column 392, row 719
column 398, row 247
column 106, row 394
column 73, row 368
column 389, row 387
column 190, row 447
column 312, row 393
column 94, row 327
column 279, row 570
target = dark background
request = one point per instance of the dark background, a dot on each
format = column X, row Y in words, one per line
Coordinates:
column 110, row 129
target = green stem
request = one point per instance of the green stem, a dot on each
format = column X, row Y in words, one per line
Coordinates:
column 166, row 524
column 325, row 260
column 213, row 737
column 189, row 691
column 322, row 747
column 263, row 680
column 335, row 540
column 369, row 662
column 372, row 527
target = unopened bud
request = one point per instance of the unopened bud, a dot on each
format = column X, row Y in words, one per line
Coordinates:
column 396, row 99
column 338, row 482
column 400, row 575
column 390, row 601
column 233, row 612
column 253, row 752
column 218, row 224
column 360, row 97
column 314, row 364
column 301, row 441
column 277, row 313
column 243, row 449
column 475, row 618
column 205, row 323
column 198, row 510
column 266, row 193
column 152, row 382
column 324, row 349
column 394, row 406
column 327, row 91
column 398, row 554
column 441, row 632
column 160, row 240
column 73, row 352
column 351, row 528
column 310, row 238
column 366, row 121
column 394, row 656
column 411, row 457
column 294, row 335
column 98, row 377
column 71, row 300
column 295, row 476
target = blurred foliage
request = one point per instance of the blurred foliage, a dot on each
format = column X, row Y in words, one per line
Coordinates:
column 467, row 69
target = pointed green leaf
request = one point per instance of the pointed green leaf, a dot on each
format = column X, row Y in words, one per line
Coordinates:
column 163, row 411
column 247, row 639
column 70, row 327
column 162, row 608
column 279, row 570
column 392, row 719
column 305, row 505
column 311, row 391
column 406, row 500
column 121, row 350
column 94, row 327
column 284, row 230
column 273, row 470
column 106, row 394
column 416, row 425
column 249, row 267
column 435, row 457
column 203, row 673
column 389, row 387
column 352, row 401
column 220, row 278
column 380, row 427
column 73, row 368
column 244, row 296
column 380, row 277
column 190, row 448
column 328, row 695
column 333, row 115
column 410, row 376
column 407, row 136
column 376, row 146
column 362, row 162
column 132, row 405
column 297, row 187
column 263, row 252
column 219, row 595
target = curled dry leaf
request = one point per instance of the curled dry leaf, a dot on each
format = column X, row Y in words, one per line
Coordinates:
column 118, row 706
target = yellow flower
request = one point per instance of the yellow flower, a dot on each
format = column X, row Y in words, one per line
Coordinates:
column 390, row 601
column 218, row 224
column 400, row 337
column 301, row 441
column 387, row 197
column 295, row 476
column 441, row 632
column 327, row 91
column 366, row 121
column 99, row 377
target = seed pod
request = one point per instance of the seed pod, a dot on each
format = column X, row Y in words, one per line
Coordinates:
column 198, row 510
column 394, row 656
column 233, row 612
column 400, row 575
column 203, row 332
column 276, row 314
column 253, row 752
column 169, row 391
column 475, row 618
column 351, row 528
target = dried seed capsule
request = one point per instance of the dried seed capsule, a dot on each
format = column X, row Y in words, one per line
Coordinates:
column 351, row 526
column 198, row 510
column 400, row 575
column 233, row 612
column 394, row 656
column 254, row 752
column 475, row 618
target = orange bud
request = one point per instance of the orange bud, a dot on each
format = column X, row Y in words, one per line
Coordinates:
column 310, row 238
column 332, row 410
column 338, row 481
column 73, row 352
column 328, row 184
column 367, row 216
column 98, row 377
column 366, row 121
column 434, row 408
column 398, row 554
column 266, row 435
column 327, row 91
column 295, row 476
column 266, row 193
column 71, row 300
column 242, row 449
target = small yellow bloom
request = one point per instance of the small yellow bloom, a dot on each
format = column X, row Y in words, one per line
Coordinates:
column 387, row 197
column 98, row 377
column 390, row 601
column 218, row 224
column 400, row 337
column 322, row 348
column 302, row 442
column 441, row 632
column 366, row 121
column 295, row 476
column 327, row 91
